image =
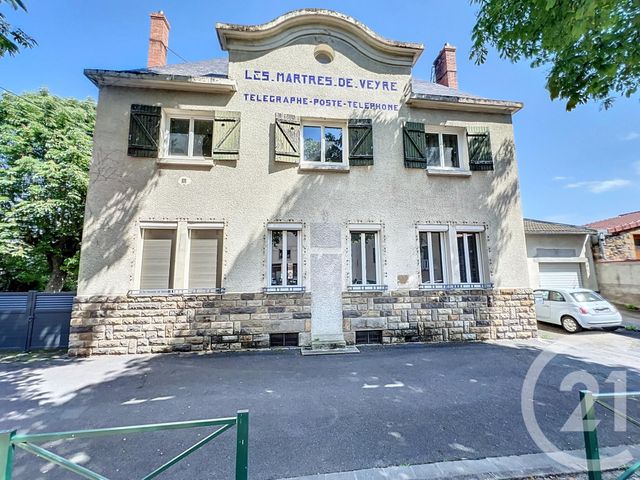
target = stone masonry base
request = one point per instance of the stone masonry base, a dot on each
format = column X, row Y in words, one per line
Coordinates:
column 441, row 316
column 234, row 321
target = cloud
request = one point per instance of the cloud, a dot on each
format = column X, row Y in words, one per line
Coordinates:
column 631, row 136
column 600, row 186
column 636, row 167
column 560, row 178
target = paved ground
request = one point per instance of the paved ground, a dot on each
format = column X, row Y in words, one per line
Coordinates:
column 630, row 318
column 405, row 405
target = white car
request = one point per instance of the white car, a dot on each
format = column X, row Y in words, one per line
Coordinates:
column 575, row 309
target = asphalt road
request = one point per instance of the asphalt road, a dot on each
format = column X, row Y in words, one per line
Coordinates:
column 385, row 406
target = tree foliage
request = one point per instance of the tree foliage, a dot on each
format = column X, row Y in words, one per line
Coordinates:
column 591, row 46
column 45, row 151
column 11, row 38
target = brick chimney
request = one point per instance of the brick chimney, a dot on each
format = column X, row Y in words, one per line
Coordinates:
column 444, row 66
column 158, row 40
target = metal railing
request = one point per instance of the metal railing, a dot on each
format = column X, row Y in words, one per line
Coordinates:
column 9, row 440
column 588, row 401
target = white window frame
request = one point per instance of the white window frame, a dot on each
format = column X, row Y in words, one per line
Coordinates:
column 187, row 264
column 283, row 227
column 480, row 249
column 169, row 114
column 442, row 230
column 322, row 124
column 364, row 229
column 462, row 156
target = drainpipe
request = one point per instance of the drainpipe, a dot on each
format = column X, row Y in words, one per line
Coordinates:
column 601, row 237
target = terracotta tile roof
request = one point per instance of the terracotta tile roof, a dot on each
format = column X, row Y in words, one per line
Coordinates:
column 542, row 227
column 626, row 221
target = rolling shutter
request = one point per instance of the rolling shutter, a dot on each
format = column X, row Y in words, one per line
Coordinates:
column 226, row 136
column 157, row 259
column 415, row 145
column 287, row 138
column 204, row 254
column 360, row 142
column 479, row 142
column 560, row 275
column 144, row 131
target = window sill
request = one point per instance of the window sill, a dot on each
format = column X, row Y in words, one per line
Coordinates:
column 175, row 291
column 367, row 288
column 452, row 172
column 281, row 289
column 324, row 167
column 185, row 161
column 456, row 286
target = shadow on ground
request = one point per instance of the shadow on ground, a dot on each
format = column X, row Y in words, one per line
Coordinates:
column 386, row 406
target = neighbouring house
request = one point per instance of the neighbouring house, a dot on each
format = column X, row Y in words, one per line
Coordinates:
column 559, row 255
column 617, row 255
column 307, row 190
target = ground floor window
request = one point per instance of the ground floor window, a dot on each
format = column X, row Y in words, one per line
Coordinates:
column 432, row 253
column 158, row 258
column 284, row 258
column 364, row 258
column 469, row 259
column 205, row 258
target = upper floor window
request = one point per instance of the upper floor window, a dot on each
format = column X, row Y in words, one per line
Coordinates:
column 323, row 143
column 190, row 137
column 443, row 149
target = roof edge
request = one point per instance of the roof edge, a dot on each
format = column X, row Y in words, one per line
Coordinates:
column 101, row 78
column 316, row 16
column 577, row 229
column 463, row 103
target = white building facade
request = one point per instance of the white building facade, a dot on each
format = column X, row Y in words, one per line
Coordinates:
column 308, row 190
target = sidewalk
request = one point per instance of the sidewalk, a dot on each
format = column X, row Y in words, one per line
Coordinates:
column 494, row 468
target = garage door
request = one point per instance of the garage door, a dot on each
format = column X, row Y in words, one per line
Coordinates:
column 560, row 275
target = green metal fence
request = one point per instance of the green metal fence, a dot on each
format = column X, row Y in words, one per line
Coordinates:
column 9, row 440
column 588, row 401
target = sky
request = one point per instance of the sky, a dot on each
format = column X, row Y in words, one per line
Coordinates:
column 575, row 167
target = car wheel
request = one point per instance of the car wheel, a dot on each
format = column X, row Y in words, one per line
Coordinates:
column 610, row 329
column 570, row 325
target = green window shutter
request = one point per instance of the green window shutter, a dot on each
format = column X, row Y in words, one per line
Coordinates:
column 226, row 136
column 479, row 142
column 415, row 145
column 287, row 138
column 144, row 131
column 360, row 142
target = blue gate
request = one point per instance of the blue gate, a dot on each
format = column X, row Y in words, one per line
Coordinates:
column 35, row 320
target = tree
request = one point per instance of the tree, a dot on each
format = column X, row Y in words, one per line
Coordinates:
column 591, row 46
column 11, row 39
column 45, row 151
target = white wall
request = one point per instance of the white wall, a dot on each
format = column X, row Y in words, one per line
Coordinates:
column 580, row 243
column 246, row 195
